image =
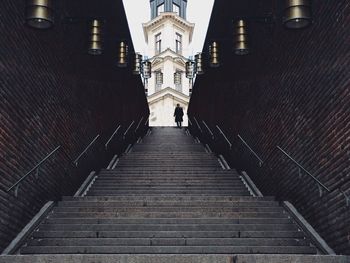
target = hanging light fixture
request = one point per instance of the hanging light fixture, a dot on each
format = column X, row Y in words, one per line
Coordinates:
column 39, row 13
column 137, row 64
column 123, row 55
column 96, row 38
column 214, row 55
column 147, row 69
column 190, row 69
column 240, row 37
column 297, row 14
column 199, row 64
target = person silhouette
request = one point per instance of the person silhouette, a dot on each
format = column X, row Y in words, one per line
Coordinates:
column 178, row 114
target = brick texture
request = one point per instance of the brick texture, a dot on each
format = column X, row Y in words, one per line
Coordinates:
column 52, row 93
column 293, row 91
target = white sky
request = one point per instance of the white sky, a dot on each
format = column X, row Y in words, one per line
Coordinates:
column 139, row 11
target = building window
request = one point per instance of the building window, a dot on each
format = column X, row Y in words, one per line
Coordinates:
column 178, row 80
column 176, row 9
column 158, row 42
column 160, row 9
column 178, row 43
column 159, row 80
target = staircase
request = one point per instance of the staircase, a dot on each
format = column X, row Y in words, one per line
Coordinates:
column 169, row 196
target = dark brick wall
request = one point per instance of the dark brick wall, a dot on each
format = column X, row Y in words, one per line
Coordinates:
column 292, row 91
column 52, row 93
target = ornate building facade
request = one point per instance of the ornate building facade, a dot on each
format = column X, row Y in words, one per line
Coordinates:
column 168, row 36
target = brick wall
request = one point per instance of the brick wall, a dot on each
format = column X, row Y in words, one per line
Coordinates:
column 52, row 93
column 292, row 91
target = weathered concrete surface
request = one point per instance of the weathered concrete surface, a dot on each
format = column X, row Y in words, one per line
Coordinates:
column 174, row 259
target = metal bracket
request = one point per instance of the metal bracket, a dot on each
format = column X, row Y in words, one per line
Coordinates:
column 347, row 198
column 16, row 190
column 320, row 190
column 37, row 173
column 300, row 174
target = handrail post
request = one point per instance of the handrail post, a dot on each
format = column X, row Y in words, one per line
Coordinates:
column 223, row 134
column 85, row 150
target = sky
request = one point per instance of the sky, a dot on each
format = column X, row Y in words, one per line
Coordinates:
column 198, row 12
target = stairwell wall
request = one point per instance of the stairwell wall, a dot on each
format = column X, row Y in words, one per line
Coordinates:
column 52, row 93
column 292, row 91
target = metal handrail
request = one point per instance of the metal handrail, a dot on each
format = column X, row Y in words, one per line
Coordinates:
column 223, row 134
column 85, row 150
column 111, row 138
column 306, row 171
column 189, row 121
column 199, row 127
column 127, row 130
column 138, row 125
column 146, row 121
column 251, row 150
column 209, row 130
column 36, row 167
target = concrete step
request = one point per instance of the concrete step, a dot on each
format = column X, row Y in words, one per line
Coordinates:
column 158, row 258
column 87, row 203
column 184, row 187
column 168, row 242
column 177, row 209
column 107, row 220
column 167, row 197
column 155, row 192
column 168, row 250
column 136, row 214
column 165, row 182
column 168, row 227
column 168, row 234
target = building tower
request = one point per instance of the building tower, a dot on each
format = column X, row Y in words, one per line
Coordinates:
column 168, row 36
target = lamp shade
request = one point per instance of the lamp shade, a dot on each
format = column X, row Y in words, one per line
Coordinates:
column 147, row 69
column 137, row 64
column 95, row 38
column 240, row 38
column 122, row 55
column 297, row 14
column 199, row 63
column 39, row 14
column 214, row 55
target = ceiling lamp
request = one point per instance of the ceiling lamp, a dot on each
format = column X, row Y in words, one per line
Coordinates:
column 39, row 14
column 214, row 55
column 96, row 38
column 240, row 37
column 190, row 69
column 199, row 64
column 123, row 55
column 137, row 64
column 297, row 14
